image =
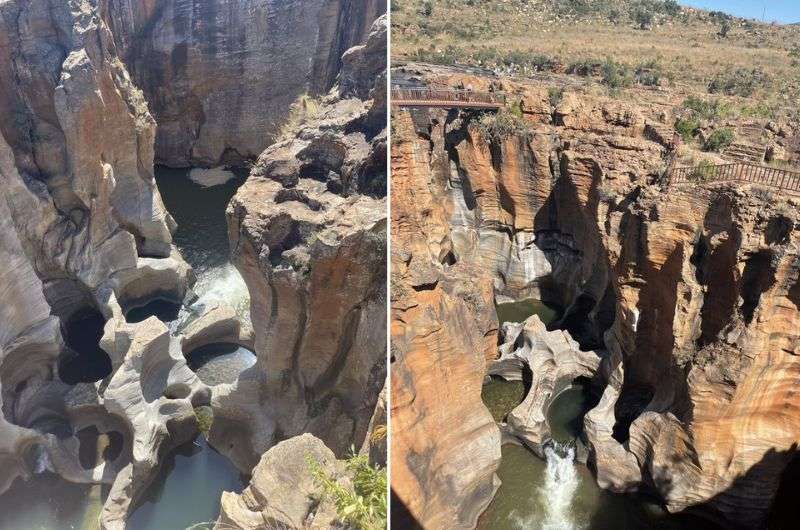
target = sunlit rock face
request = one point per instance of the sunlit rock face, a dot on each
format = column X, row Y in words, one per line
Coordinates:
column 308, row 234
column 220, row 75
column 690, row 292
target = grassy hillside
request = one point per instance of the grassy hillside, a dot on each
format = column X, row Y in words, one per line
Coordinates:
column 619, row 43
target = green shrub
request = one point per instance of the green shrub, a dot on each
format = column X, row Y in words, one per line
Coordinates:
column 584, row 67
column 616, row 75
column 447, row 56
column 740, row 82
column 719, row 140
column 649, row 73
column 426, row 8
column 498, row 126
column 555, row 95
column 724, row 29
column 761, row 109
column 643, row 17
column 205, row 416
column 687, row 128
column 708, row 109
column 362, row 505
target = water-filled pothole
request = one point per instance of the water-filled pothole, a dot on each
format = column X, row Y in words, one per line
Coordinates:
column 557, row 493
column 163, row 309
column 83, row 360
column 96, row 447
column 187, row 490
column 520, row 310
column 220, row 362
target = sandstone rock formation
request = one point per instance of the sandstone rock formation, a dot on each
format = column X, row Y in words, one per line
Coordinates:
column 82, row 226
column 220, row 76
column 445, row 444
column 308, row 234
column 692, row 290
column 283, row 492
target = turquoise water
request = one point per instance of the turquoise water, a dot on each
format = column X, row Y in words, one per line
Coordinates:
column 188, row 487
column 186, row 492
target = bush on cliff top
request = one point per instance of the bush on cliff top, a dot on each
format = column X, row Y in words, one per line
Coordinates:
column 498, row 126
column 363, row 504
column 719, row 140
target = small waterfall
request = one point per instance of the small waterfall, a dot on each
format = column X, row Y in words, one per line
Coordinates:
column 223, row 284
column 561, row 484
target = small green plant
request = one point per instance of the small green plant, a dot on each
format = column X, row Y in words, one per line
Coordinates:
column 708, row 109
column 687, row 128
column 362, row 505
column 496, row 127
column 205, row 416
column 616, row 75
column 649, row 73
column 555, row 95
column 740, row 82
column 724, row 29
column 719, row 140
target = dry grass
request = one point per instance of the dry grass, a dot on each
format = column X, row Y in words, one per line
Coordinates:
column 304, row 108
column 687, row 48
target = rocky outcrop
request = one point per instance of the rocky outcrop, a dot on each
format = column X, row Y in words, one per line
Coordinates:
column 553, row 360
column 220, row 76
column 308, row 234
column 283, row 492
column 691, row 290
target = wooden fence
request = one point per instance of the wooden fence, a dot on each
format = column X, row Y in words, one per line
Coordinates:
column 738, row 172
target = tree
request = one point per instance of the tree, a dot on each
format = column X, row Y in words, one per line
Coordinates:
column 643, row 17
column 724, row 29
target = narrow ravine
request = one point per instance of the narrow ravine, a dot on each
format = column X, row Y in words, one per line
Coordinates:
column 197, row 200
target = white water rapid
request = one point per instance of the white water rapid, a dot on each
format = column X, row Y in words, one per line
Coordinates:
column 222, row 284
column 560, row 486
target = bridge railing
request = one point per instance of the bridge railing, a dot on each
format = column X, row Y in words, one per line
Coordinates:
column 741, row 172
column 460, row 97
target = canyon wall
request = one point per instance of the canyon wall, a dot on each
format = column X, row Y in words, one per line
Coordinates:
column 220, row 76
column 85, row 236
column 688, row 294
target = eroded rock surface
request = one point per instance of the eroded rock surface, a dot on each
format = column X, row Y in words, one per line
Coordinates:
column 283, row 492
column 554, row 361
column 308, row 234
column 692, row 290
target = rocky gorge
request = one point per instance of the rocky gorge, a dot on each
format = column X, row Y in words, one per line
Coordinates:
column 678, row 304
column 92, row 95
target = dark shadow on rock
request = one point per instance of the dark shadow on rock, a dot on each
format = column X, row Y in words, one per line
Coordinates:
column 402, row 519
